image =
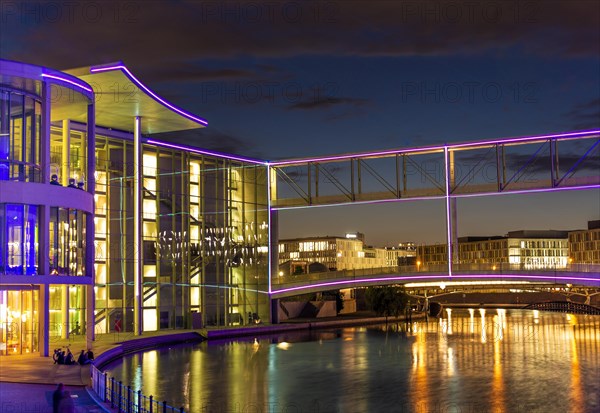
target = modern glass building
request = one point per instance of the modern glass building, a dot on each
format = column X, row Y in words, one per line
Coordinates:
column 103, row 228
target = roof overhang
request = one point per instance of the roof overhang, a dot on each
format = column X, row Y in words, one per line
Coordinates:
column 120, row 97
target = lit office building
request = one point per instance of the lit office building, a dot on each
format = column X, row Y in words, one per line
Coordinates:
column 103, row 228
column 403, row 254
column 337, row 253
column 584, row 245
column 527, row 249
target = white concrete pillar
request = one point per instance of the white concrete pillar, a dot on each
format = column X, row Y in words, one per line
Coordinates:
column 137, row 222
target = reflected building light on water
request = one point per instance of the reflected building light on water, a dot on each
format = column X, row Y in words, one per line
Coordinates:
column 449, row 312
column 483, row 333
column 536, row 316
column 283, row 345
column 471, row 320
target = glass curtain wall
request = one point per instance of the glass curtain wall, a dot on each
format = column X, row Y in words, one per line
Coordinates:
column 19, row 319
column 20, row 128
column 204, row 235
column 19, row 248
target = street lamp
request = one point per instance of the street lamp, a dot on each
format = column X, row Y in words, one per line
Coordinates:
column 418, row 266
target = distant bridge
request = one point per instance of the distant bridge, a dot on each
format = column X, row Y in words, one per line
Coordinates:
column 463, row 275
column 565, row 307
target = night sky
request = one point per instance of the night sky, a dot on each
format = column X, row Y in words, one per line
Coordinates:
column 290, row 79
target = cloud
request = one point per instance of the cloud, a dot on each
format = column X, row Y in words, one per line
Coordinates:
column 585, row 115
column 155, row 34
column 326, row 103
column 211, row 139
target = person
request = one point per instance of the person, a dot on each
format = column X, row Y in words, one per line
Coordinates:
column 90, row 354
column 54, row 180
column 60, row 357
column 57, row 397
column 66, row 404
column 69, row 359
column 82, row 359
column 72, row 183
column 80, row 185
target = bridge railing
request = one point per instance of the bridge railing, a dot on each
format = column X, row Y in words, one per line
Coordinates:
column 124, row 399
column 286, row 281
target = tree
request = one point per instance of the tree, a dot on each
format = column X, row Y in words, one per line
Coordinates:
column 386, row 300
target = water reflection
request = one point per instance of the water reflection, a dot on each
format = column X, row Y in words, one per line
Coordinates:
column 506, row 361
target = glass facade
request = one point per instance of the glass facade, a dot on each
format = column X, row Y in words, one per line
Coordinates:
column 19, row 319
column 67, row 241
column 203, row 242
column 19, row 248
column 20, row 128
column 204, row 236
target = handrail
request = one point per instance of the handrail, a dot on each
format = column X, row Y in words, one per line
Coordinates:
column 125, row 399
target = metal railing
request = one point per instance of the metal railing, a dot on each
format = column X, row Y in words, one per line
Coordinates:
column 124, row 399
column 409, row 271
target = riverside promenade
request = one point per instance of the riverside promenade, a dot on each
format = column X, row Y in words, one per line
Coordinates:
column 27, row 381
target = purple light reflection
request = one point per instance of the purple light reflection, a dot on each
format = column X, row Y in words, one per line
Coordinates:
column 135, row 80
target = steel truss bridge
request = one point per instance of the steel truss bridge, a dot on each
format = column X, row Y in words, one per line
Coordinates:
column 523, row 165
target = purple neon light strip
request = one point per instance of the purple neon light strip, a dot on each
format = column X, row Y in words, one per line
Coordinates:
column 204, row 152
column 383, row 201
column 436, row 148
column 135, row 80
column 448, row 222
column 527, row 191
column 272, row 250
column 422, row 198
column 357, row 155
column 525, row 139
column 69, row 81
column 431, row 277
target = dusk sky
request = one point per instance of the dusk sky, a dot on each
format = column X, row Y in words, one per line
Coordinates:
column 290, row 79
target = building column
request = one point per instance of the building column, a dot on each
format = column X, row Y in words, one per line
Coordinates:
column 453, row 212
column 90, row 250
column 66, row 152
column 44, row 320
column 137, row 221
column 274, row 257
column 64, row 311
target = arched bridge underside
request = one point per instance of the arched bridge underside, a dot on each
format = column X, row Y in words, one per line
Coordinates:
column 461, row 278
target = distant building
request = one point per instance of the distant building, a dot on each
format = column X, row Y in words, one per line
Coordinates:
column 340, row 253
column 404, row 254
column 527, row 248
column 584, row 245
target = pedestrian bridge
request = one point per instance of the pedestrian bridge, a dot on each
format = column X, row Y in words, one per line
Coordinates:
column 413, row 276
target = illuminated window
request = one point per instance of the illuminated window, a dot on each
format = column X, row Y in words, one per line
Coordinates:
column 149, row 209
column 149, row 164
column 194, row 172
column 150, row 319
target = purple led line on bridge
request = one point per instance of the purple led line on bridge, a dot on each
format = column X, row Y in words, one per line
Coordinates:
column 135, row 80
column 438, row 147
column 436, row 277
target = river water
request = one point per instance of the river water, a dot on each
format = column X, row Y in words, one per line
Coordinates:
column 467, row 361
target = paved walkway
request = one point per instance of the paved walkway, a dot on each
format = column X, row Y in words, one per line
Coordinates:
column 37, row 398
